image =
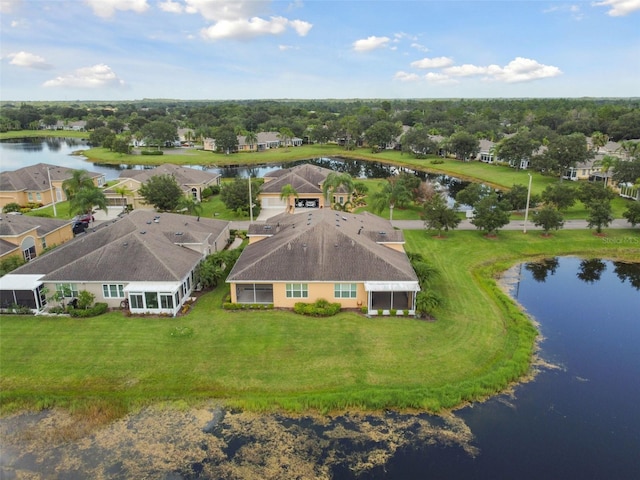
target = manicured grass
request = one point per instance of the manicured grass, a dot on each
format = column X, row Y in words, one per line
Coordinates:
column 276, row 359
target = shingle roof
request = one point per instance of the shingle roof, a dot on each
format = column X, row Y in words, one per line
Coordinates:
column 186, row 177
column 19, row 224
column 323, row 245
column 133, row 248
column 305, row 178
column 36, row 177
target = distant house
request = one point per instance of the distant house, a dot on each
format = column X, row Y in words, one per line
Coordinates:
column 146, row 260
column 27, row 237
column 191, row 180
column 357, row 260
column 73, row 126
column 307, row 180
column 265, row 141
column 31, row 184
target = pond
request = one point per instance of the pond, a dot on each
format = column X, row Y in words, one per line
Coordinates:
column 18, row 153
column 578, row 418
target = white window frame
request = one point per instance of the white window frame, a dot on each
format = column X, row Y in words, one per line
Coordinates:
column 107, row 290
column 345, row 290
column 297, row 290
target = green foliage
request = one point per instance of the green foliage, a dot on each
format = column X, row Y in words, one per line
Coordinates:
column 9, row 264
column 490, row 214
column 151, row 152
column 590, row 191
column 464, row 145
column 632, row 213
column 235, row 195
column 159, row 132
column 11, row 207
column 98, row 309
column 560, row 194
column 162, row 191
column 600, row 214
column 247, row 306
column 548, row 217
column 319, row 308
column 438, row 216
column 517, row 197
column 472, row 194
column 86, row 199
column 85, row 299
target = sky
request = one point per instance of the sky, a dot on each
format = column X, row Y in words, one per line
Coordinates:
column 114, row 50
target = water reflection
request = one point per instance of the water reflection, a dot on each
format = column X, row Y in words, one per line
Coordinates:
column 591, row 270
column 540, row 270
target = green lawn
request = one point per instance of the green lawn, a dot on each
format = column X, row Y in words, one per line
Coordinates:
column 277, row 359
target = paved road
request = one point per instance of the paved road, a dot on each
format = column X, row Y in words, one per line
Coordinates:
column 467, row 225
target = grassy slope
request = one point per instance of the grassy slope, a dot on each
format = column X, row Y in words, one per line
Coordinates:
column 267, row 359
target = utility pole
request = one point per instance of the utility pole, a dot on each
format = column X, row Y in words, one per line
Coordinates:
column 53, row 198
column 526, row 212
column 250, row 201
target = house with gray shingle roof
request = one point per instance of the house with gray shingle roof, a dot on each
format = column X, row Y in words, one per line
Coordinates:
column 190, row 180
column 28, row 237
column 39, row 183
column 354, row 259
column 145, row 259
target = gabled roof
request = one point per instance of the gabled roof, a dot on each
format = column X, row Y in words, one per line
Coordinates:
column 14, row 225
column 186, row 177
column 133, row 248
column 323, row 246
column 36, row 177
column 305, row 178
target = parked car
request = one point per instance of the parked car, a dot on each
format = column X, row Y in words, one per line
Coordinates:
column 79, row 227
column 84, row 218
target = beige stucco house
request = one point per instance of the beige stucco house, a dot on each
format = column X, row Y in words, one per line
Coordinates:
column 38, row 184
column 191, row 180
column 145, row 260
column 27, row 237
column 357, row 260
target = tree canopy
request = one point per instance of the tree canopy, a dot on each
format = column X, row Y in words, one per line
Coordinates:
column 162, row 191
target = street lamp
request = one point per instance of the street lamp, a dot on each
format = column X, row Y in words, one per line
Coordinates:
column 526, row 211
column 53, row 198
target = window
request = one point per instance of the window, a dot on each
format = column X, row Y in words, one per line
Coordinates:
column 38, row 196
column 166, row 301
column 136, row 300
column 113, row 291
column 151, row 299
column 29, row 253
column 30, row 196
column 44, row 243
column 345, row 290
column 67, row 290
column 297, row 290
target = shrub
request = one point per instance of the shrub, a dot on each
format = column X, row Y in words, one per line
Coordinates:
column 247, row 306
column 437, row 161
column 98, row 309
column 11, row 207
column 320, row 308
column 151, row 152
column 364, row 309
column 393, row 312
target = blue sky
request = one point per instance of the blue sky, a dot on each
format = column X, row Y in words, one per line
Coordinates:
column 235, row 49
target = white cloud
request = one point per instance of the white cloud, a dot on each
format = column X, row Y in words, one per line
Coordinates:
column 7, row 6
column 406, row 77
column 253, row 27
column 370, row 43
column 436, row 62
column 217, row 10
column 619, row 8
column 440, row 78
column 106, row 8
column 28, row 60
column 518, row 70
column 171, row 7
column 419, row 47
column 96, row 76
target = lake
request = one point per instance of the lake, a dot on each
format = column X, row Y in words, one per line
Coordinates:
column 579, row 417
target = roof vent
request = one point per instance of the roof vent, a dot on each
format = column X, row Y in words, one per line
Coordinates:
column 344, row 218
column 267, row 227
column 156, row 220
column 143, row 232
column 125, row 244
column 382, row 233
column 148, row 222
column 178, row 233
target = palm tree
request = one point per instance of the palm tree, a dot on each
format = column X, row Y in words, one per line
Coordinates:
column 285, row 134
column 123, row 191
column 86, row 199
column 606, row 164
column 598, row 140
column 251, row 138
column 190, row 205
column 392, row 194
column 630, row 148
column 79, row 179
column 286, row 193
column 333, row 182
